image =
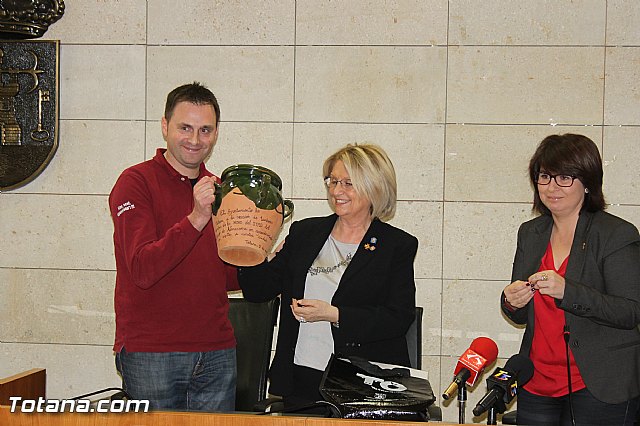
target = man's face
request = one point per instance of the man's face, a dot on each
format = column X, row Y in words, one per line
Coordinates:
column 191, row 134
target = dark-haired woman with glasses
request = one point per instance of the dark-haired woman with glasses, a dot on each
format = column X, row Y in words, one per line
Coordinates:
column 346, row 280
column 576, row 286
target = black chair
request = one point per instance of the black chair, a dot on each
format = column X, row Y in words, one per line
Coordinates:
column 253, row 325
column 414, row 340
column 414, row 344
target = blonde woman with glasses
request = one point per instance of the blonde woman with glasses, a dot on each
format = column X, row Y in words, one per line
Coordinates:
column 346, row 280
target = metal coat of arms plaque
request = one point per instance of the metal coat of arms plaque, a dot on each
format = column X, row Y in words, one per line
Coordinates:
column 28, row 109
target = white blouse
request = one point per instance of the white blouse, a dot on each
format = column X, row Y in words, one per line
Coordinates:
column 315, row 341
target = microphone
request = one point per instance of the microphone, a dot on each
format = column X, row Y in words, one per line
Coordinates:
column 503, row 384
column 482, row 352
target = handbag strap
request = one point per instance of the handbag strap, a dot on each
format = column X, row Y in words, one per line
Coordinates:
column 376, row 370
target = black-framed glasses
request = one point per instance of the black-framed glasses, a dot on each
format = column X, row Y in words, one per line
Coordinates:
column 331, row 183
column 564, row 181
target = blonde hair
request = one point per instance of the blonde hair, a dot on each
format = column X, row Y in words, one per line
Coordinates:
column 372, row 175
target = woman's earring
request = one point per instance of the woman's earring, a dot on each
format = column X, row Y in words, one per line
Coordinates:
column 586, row 190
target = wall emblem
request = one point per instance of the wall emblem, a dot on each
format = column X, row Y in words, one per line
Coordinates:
column 20, row 19
column 28, row 109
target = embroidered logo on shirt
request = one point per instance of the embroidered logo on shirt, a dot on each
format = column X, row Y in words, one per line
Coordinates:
column 124, row 207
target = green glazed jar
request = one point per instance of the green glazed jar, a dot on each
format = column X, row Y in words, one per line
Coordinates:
column 259, row 184
column 248, row 213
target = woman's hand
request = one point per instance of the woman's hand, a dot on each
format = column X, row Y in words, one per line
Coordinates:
column 518, row 294
column 548, row 282
column 312, row 310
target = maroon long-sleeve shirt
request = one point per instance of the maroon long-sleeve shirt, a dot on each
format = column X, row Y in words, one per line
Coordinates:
column 171, row 286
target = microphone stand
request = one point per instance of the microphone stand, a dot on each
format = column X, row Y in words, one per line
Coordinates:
column 462, row 400
column 492, row 418
column 498, row 407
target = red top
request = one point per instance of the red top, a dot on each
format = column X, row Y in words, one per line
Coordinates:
column 548, row 350
column 171, row 286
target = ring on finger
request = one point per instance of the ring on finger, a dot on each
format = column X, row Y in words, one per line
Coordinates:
column 544, row 277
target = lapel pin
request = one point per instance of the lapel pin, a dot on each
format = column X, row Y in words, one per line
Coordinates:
column 371, row 245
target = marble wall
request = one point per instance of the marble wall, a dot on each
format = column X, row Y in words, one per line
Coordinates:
column 458, row 92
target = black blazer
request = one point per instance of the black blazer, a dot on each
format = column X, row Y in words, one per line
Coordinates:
column 601, row 299
column 376, row 295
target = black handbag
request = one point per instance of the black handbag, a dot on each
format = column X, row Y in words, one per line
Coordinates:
column 358, row 389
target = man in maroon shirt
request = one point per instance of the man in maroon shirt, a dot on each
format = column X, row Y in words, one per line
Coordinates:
column 174, row 344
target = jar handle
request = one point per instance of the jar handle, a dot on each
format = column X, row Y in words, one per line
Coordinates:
column 288, row 208
column 218, row 200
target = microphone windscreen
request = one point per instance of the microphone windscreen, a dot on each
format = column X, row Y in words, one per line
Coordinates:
column 485, row 347
column 521, row 366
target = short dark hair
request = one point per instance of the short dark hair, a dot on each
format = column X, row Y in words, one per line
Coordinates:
column 195, row 93
column 569, row 154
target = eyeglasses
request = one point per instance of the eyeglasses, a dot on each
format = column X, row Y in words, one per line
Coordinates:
column 561, row 180
column 331, row 183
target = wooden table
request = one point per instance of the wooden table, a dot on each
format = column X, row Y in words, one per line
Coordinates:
column 166, row 418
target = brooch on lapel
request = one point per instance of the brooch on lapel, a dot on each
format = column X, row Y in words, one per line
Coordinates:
column 371, row 245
